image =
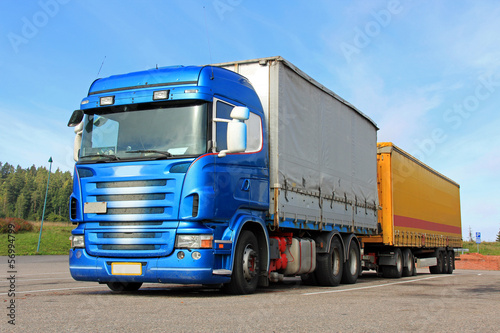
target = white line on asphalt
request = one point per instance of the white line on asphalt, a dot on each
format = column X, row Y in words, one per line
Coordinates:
column 369, row 287
column 18, row 274
column 22, row 280
column 42, row 290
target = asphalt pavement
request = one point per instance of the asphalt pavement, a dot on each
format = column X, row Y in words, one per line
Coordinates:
column 47, row 299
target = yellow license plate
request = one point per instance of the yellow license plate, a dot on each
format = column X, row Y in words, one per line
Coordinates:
column 126, row 268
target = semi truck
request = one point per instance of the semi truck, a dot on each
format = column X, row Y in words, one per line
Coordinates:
column 240, row 174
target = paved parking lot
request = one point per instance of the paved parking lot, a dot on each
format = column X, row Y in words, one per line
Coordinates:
column 48, row 300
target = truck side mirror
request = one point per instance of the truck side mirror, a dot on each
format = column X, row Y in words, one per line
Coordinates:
column 237, row 131
column 75, row 118
column 78, row 141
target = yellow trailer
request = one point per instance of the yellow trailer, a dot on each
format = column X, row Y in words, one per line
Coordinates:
column 419, row 214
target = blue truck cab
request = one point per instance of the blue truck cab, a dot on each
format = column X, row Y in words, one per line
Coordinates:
column 171, row 183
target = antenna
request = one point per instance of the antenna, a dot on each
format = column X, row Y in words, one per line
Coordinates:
column 101, row 67
column 208, row 39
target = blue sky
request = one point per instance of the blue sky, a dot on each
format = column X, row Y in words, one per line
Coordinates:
column 427, row 72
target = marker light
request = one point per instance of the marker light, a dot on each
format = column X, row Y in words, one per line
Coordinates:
column 107, row 100
column 190, row 91
column 160, row 94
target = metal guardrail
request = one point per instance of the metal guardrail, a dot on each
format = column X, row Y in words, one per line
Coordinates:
column 461, row 251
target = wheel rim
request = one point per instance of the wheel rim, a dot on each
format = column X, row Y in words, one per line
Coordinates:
column 250, row 263
column 399, row 264
column 336, row 262
column 353, row 267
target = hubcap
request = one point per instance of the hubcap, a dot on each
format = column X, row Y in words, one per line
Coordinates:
column 250, row 263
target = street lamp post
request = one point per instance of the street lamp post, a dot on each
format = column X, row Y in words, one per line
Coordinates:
column 44, row 204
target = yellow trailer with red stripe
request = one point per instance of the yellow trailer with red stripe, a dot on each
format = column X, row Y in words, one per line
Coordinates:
column 419, row 216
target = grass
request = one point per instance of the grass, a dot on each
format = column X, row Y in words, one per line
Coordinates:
column 55, row 240
column 486, row 248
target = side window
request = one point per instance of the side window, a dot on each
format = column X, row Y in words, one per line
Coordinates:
column 223, row 111
column 254, row 133
column 254, row 128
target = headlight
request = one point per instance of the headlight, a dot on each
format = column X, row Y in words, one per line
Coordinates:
column 194, row 241
column 77, row 241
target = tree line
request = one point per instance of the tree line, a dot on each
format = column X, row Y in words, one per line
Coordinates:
column 22, row 193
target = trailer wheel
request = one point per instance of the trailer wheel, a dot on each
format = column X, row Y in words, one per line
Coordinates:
column 394, row 271
column 450, row 259
column 330, row 265
column 440, row 267
column 124, row 286
column 409, row 258
column 246, row 266
column 352, row 265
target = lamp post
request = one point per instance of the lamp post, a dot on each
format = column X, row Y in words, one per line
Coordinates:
column 44, row 204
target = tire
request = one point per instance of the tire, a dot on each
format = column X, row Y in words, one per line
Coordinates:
column 450, row 262
column 439, row 268
column 329, row 266
column 246, row 266
column 409, row 258
column 352, row 265
column 396, row 271
column 124, row 286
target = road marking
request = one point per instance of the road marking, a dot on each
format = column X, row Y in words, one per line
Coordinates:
column 377, row 286
column 22, row 280
column 59, row 289
column 18, row 275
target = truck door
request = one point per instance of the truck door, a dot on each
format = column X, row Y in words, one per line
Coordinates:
column 241, row 182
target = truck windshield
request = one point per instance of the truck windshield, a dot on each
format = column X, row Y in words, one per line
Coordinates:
column 149, row 131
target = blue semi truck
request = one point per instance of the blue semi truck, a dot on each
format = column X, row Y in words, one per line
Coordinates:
column 235, row 174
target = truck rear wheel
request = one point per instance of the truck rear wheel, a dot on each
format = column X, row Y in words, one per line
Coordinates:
column 409, row 258
column 352, row 264
column 246, row 266
column 330, row 265
column 124, row 286
column 394, row 271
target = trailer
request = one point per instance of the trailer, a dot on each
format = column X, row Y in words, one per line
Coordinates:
column 237, row 175
column 419, row 216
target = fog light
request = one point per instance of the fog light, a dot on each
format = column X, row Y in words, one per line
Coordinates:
column 196, row 255
column 180, row 255
column 78, row 254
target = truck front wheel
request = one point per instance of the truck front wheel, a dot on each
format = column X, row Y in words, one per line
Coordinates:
column 124, row 286
column 330, row 265
column 246, row 266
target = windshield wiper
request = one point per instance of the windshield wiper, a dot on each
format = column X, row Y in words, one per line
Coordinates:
column 109, row 157
column 166, row 153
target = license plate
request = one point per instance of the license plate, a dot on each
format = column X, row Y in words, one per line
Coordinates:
column 126, row 268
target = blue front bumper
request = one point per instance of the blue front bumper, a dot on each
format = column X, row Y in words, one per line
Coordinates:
column 170, row 269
